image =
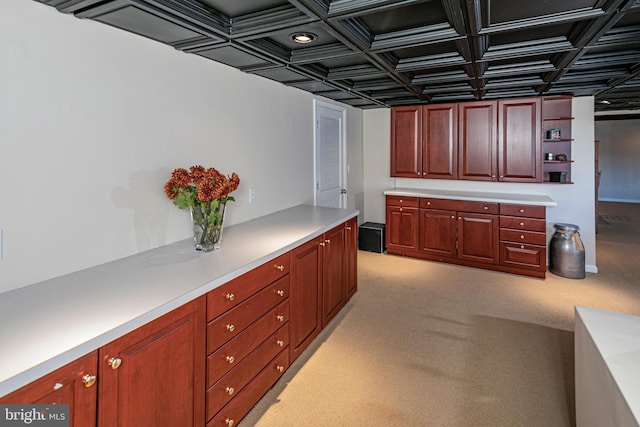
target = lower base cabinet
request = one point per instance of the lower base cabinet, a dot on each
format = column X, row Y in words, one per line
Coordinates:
column 153, row 375
column 211, row 360
column 73, row 384
column 495, row 236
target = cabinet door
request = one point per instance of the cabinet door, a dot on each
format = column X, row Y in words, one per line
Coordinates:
column 351, row 256
column 478, row 237
column 440, row 141
column 73, row 384
column 402, row 229
column 519, row 146
column 478, row 140
column 438, row 232
column 333, row 288
column 154, row 375
column 305, row 297
column 406, row 142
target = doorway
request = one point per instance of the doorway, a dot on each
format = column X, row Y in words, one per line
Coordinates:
column 330, row 154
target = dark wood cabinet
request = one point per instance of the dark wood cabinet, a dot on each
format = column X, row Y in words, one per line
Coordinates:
column 351, row 256
column 406, row 141
column 519, row 147
column 440, row 141
column 402, row 225
column 438, row 232
column 478, row 237
column 161, row 367
column 489, row 235
column 334, row 295
column 478, row 140
column 209, row 361
column 306, row 296
column 74, row 384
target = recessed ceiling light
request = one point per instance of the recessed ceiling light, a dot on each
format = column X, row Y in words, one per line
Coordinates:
column 303, row 38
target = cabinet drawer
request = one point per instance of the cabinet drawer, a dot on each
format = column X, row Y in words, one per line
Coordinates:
column 233, row 383
column 523, row 210
column 230, row 324
column 238, row 407
column 232, row 353
column 518, row 236
column 459, row 205
column 520, row 223
column 409, row 202
column 523, row 256
column 239, row 289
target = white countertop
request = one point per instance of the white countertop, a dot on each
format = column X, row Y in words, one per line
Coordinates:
column 49, row 324
column 515, row 198
column 617, row 339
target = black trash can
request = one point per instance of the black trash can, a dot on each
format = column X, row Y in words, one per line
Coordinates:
column 566, row 252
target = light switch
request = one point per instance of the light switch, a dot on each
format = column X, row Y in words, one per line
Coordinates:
column 252, row 194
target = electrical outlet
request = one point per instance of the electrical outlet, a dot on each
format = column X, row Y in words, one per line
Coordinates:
column 252, row 194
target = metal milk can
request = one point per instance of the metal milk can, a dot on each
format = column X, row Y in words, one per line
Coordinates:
column 566, row 252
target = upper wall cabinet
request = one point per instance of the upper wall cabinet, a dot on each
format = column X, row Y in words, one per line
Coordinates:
column 519, row 140
column 480, row 141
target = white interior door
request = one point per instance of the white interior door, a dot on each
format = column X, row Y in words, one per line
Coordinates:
column 330, row 163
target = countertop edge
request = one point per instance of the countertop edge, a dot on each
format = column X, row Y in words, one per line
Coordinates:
column 513, row 198
column 19, row 379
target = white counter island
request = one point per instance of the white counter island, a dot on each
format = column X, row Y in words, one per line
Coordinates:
column 49, row 324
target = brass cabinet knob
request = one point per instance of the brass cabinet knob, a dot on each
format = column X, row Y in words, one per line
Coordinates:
column 280, row 368
column 401, row 201
column 327, row 241
column 280, row 267
column 348, row 228
column 229, row 422
column 230, row 296
column 280, row 343
column 522, row 237
column 114, row 362
column 58, row 386
column 521, row 246
column 231, row 327
column 280, row 318
column 230, row 359
column 453, row 217
column 322, row 243
column 521, row 210
column 89, row 380
column 280, row 292
column 522, row 224
column 400, row 209
column 486, row 207
column 493, row 176
column 229, row 390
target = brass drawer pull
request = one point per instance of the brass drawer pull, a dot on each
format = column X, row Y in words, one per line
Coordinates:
column 230, row 296
column 230, row 359
column 280, row 368
column 280, row 343
column 229, row 422
column 280, row 267
column 229, row 390
column 88, row 380
column 280, row 318
column 115, row 362
column 231, row 327
column 280, row 292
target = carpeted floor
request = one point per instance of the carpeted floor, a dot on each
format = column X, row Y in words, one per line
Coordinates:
column 430, row 344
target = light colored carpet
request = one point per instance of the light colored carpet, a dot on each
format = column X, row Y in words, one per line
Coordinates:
column 430, row 344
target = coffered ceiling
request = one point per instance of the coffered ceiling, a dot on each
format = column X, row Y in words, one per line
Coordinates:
column 373, row 53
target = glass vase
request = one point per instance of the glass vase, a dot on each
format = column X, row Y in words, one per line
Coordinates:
column 207, row 220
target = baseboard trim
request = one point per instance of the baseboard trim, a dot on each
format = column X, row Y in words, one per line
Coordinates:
column 591, row 268
column 607, row 199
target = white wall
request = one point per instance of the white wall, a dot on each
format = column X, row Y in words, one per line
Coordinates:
column 92, row 121
column 619, row 160
column 575, row 202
